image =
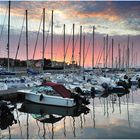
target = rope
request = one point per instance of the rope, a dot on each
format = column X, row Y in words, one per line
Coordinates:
column 37, row 38
column 20, row 38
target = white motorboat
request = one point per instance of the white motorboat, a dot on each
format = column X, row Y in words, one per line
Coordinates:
column 53, row 94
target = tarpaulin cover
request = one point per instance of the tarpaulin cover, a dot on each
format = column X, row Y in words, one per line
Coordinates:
column 60, row 89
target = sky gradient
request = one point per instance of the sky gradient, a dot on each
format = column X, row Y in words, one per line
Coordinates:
column 117, row 19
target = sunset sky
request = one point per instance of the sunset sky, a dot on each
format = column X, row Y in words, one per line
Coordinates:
column 118, row 19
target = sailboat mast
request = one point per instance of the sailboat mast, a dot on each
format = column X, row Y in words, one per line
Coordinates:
column 128, row 57
column 132, row 55
column 80, row 46
column 93, row 47
column 73, row 48
column 43, row 37
column 106, row 49
column 83, row 54
column 64, row 48
column 27, row 37
column 8, row 45
column 112, row 51
column 104, row 52
column 52, row 38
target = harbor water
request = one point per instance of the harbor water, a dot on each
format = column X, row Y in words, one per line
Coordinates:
column 113, row 116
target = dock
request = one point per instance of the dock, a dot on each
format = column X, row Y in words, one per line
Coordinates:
column 11, row 93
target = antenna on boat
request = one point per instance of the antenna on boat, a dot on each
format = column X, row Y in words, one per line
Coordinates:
column 8, row 44
column 27, row 37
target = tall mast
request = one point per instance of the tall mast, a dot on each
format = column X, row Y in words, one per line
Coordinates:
column 104, row 61
column 83, row 53
column 8, row 44
column 73, row 48
column 43, row 37
column 132, row 55
column 93, row 48
column 119, row 55
column 27, row 37
column 128, row 57
column 64, row 48
column 112, row 51
column 123, row 57
column 52, row 38
column 106, row 49
column 80, row 46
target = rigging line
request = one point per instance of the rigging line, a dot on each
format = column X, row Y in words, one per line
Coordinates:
column 68, row 43
column 3, row 24
column 87, row 50
column 58, row 44
column 101, row 53
column 37, row 37
column 20, row 38
column 47, row 32
column 98, row 56
column 76, row 42
column 97, row 61
column 47, row 36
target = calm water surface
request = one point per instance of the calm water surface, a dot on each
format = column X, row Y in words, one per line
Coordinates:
column 110, row 117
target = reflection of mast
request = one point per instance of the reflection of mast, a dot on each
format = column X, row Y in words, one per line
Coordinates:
column 120, row 105
column 113, row 104
column 107, row 107
column 104, row 107
column 93, row 114
column 128, row 110
column 9, row 132
column 81, row 121
column 19, row 122
column 52, row 131
column 27, row 126
column 74, row 127
column 64, row 127
column 38, row 128
column 44, row 130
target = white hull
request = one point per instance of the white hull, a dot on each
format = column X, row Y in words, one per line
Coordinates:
column 48, row 99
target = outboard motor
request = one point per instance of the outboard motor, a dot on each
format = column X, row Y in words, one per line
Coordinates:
column 80, row 100
column 79, row 91
column 123, row 84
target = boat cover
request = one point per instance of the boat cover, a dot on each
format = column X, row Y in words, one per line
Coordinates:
column 60, row 89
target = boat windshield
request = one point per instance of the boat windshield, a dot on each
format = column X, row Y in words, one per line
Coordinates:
column 42, row 89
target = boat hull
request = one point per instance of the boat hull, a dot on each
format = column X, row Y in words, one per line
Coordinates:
column 48, row 99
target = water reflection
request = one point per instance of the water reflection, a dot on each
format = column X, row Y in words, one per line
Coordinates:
column 51, row 114
column 112, row 116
